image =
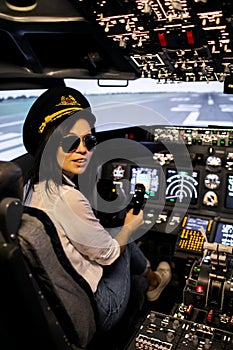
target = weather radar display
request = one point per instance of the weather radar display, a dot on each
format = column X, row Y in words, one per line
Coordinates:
column 182, row 186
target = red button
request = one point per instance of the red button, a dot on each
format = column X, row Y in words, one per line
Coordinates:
column 199, row 289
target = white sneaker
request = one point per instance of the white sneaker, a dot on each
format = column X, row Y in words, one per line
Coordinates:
column 163, row 271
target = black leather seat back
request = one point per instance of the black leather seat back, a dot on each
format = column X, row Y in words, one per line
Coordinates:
column 44, row 303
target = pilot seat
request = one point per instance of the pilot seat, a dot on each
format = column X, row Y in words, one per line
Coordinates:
column 44, row 302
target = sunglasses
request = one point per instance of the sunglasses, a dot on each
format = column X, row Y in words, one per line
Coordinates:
column 70, row 143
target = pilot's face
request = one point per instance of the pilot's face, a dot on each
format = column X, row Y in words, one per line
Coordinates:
column 73, row 156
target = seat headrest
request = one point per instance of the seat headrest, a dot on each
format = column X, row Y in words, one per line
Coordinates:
column 11, row 180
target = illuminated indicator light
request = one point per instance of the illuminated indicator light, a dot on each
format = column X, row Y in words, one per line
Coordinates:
column 210, row 315
column 162, row 39
column 172, row 200
column 199, row 289
column 189, row 309
column 190, row 38
column 185, row 220
column 222, row 142
column 210, row 225
column 131, row 136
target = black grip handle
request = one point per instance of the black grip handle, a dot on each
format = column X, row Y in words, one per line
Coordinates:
column 138, row 198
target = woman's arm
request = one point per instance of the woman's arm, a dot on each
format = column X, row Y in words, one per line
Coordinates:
column 75, row 217
column 131, row 224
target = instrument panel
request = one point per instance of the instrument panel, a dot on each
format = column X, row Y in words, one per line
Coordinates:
column 191, row 196
column 195, row 136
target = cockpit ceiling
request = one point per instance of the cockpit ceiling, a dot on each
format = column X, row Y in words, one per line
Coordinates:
column 166, row 40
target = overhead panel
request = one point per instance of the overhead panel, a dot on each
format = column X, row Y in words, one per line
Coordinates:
column 175, row 40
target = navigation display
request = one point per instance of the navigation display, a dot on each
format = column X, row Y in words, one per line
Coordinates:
column 224, row 233
column 149, row 177
column 229, row 192
column 182, row 186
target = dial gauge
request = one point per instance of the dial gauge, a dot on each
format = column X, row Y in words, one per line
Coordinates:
column 212, row 181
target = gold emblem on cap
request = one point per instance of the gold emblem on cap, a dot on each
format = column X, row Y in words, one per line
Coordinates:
column 69, row 100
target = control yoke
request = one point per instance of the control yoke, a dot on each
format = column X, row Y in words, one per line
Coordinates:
column 138, row 199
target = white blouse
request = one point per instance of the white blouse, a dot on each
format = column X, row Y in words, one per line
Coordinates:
column 86, row 243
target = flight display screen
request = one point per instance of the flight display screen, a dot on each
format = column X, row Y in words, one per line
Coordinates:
column 224, row 233
column 197, row 224
column 149, row 177
column 182, row 186
column 119, row 171
column 229, row 192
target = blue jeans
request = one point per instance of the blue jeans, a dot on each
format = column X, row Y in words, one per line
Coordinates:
column 113, row 295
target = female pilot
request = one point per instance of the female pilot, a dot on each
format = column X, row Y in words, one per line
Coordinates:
column 59, row 133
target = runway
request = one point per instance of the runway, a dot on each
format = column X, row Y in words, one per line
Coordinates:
column 114, row 111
